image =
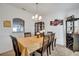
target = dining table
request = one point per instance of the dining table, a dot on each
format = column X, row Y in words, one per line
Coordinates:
column 28, row 45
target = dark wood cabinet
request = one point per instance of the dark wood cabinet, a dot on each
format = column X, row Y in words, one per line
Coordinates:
column 39, row 26
column 69, row 41
column 72, row 39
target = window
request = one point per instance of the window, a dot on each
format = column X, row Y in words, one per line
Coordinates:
column 18, row 25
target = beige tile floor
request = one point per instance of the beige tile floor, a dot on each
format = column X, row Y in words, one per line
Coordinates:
column 58, row 51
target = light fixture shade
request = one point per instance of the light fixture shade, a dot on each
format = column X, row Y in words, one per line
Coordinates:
column 36, row 16
column 33, row 17
column 40, row 17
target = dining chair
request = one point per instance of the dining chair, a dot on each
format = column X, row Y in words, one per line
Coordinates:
column 44, row 46
column 54, row 39
column 50, row 41
column 15, row 46
column 27, row 34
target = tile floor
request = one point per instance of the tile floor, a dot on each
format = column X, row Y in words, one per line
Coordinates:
column 58, row 51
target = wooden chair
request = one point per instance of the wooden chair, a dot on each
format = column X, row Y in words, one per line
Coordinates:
column 50, row 41
column 27, row 34
column 54, row 39
column 15, row 46
column 44, row 46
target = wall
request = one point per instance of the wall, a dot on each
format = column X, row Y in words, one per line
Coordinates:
column 8, row 12
column 58, row 30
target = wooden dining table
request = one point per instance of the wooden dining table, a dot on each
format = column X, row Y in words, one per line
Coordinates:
column 29, row 45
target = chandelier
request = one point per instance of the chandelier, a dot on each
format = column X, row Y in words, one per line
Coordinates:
column 36, row 16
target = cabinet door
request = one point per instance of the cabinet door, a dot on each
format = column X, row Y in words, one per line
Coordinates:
column 39, row 26
column 76, row 42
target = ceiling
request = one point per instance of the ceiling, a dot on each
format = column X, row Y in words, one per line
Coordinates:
column 46, row 8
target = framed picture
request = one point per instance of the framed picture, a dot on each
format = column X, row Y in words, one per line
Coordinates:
column 7, row 23
column 56, row 22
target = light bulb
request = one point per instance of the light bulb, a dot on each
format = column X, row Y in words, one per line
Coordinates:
column 40, row 17
column 33, row 17
column 36, row 16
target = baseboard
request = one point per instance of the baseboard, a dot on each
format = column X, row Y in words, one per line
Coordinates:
column 6, row 52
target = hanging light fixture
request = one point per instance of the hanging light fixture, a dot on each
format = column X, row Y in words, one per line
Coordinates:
column 36, row 16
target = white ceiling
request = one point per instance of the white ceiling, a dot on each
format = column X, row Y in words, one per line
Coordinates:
column 46, row 8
